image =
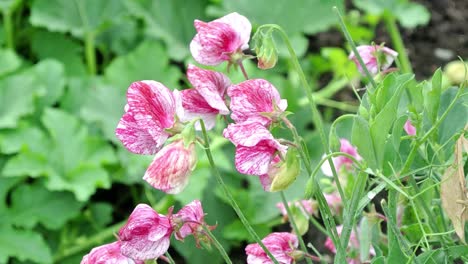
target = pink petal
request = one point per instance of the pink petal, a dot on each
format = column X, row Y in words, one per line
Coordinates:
column 146, row 234
column 150, row 110
column 254, row 160
column 252, row 98
column 108, row 253
column 279, row 244
column 248, row 134
column 195, row 106
column 346, row 147
column 171, row 167
column 409, row 128
column 241, row 25
column 211, row 85
column 191, row 217
column 369, row 55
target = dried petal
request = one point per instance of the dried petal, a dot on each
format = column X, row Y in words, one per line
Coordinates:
column 146, row 234
column 375, row 57
column 171, row 167
column 108, row 253
column 190, row 220
column 281, row 245
column 256, row 100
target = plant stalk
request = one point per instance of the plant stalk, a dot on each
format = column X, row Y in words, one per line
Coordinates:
column 397, row 41
column 8, row 27
column 218, row 245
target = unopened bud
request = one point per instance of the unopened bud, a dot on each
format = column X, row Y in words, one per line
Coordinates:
column 456, row 72
column 286, row 173
column 265, row 47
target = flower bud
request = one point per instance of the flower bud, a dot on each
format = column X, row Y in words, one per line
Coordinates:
column 456, row 72
column 285, row 172
column 265, row 47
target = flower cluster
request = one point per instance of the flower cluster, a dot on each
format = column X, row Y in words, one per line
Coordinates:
column 146, row 235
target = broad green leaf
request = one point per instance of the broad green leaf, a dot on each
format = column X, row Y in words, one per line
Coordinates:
column 148, row 61
column 24, row 245
column 300, row 16
column 101, row 213
column 58, row 46
column 49, row 80
column 10, row 61
column 23, row 136
column 170, row 21
column 5, row 185
column 27, row 163
column 8, row 6
column 79, row 17
column 133, row 166
column 121, row 37
column 33, row 204
column 456, row 118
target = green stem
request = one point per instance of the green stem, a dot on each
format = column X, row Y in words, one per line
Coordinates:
column 353, row 47
column 218, row 245
column 293, row 223
column 90, row 53
column 8, row 27
column 336, row 104
column 397, row 41
column 231, row 199
column 169, row 258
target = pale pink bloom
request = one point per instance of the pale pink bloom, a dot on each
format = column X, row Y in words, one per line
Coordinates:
column 206, row 99
column 306, row 207
column 171, row 167
column 189, row 220
column 341, row 161
column 409, row 128
column 255, row 147
column 256, row 100
column 108, row 254
column 353, row 246
column 267, row 179
column 149, row 111
column 375, row 57
column 334, row 202
column 221, row 39
column 146, row 235
column 281, row 245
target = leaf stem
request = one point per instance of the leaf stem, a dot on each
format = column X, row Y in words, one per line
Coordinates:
column 8, row 27
column 90, row 53
column 218, row 245
column 397, row 41
column 231, row 199
column 293, row 223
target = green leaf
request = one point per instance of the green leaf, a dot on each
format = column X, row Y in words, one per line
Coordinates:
column 411, row 15
column 27, row 163
column 49, row 80
column 77, row 17
column 149, row 61
column 432, row 96
column 10, row 61
column 8, row 6
column 170, row 21
column 133, row 166
column 101, row 213
column 300, row 16
column 455, row 120
column 5, row 185
column 362, row 139
column 23, row 136
column 24, row 245
column 33, row 204
column 58, row 46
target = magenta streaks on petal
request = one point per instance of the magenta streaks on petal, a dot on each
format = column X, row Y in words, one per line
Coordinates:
column 247, row 134
column 281, row 245
column 146, row 235
column 210, row 85
column 171, row 167
column 190, row 219
column 108, row 253
column 254, row 160
column 195, row 106
column 251, row 99
column 241, row 25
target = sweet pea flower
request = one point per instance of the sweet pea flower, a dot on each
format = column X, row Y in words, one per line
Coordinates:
column 221, row 40
column 206, row 99
column 108, row 253
column 256, row 100
column 170, row 169
column 255, row 147
column 150, row 111
column 146, row 235
column 409, row 128
column 282, row 246
column 334, row 202
column 375, row 57
column 341, row 161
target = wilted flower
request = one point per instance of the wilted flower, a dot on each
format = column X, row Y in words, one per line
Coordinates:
column 146, row 234
column 256, row 100
column 150, row 111
column 171, row 167
column 190, row 221
column 206, row 99
column 255, row 147
column 108, row 253
column 281, row 245
column 341, row 161
column 409, row 128
column 375, row 57
column 221, row 40
column 267, row 54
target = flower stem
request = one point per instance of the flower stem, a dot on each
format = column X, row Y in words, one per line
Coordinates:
column 244, row 72
column 353, row 47
column 218, row 245
column 397, row 41
column 231, row 199
column 293, row 223
column 8, row 28
column 90, row 53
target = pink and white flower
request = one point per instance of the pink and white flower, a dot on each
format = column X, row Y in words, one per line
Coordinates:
column 409, row 128
column 189, row 221
column 149, row 112
column 341, row 161
column 256, row 100
column 220, row 40
column 255, row 147
column 170, row 169
column 334, row 202
column 206, row 99
column 108, row 253
column 375, row 57
column 281, row 245
column 146, row 234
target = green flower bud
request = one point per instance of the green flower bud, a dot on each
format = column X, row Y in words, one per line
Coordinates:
column 265, row 47
column 456, row 72
column 286, row 172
